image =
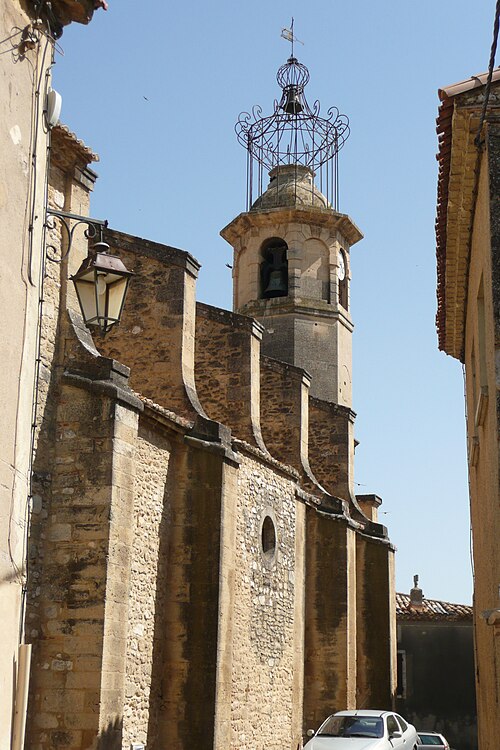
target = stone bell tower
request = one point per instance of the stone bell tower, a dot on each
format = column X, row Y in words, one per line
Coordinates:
column 291, row 268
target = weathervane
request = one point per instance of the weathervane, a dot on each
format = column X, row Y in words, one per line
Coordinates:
column 289, row 35
column 294, row 134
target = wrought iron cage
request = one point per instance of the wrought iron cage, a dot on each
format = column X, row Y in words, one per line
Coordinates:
column 295, row 133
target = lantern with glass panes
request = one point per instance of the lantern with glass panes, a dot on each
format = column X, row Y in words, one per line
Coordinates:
column 102, row 280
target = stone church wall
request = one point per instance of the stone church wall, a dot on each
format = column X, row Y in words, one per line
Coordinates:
column 79, row 599
column 268, row 617
column 227, row 370
column 375, row 623
column 149, row 521
column 156, row 335
column 180, row 617
column 330, row 444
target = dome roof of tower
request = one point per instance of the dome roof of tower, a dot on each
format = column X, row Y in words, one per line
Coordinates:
column 291, row 185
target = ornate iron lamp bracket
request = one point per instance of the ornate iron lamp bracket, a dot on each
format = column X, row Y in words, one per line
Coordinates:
column 95, row 230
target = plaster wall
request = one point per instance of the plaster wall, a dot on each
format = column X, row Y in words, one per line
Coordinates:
column 21, row 204
column 482, row 363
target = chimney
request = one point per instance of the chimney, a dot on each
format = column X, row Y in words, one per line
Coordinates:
column 416, row 595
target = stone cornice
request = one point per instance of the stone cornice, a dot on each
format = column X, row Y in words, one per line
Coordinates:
column 322, row 217
column 290, row 306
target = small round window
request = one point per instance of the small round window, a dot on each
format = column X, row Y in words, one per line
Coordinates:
column 268, row 539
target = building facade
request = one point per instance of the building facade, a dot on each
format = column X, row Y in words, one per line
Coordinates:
column 468, row 322
column 197, row 569
column 436, row 690
column 27, row 34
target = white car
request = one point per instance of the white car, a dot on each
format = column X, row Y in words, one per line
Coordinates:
column 363, row 730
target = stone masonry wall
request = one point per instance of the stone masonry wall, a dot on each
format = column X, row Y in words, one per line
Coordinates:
column 375, row 621
column 329, row 445
column 156, row 335
column 150, row 516
column 83, row 566
column 330, row 637
column 281, row 386
column 227, row 370
column 268, row 603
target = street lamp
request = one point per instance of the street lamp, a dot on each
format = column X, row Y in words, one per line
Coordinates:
column 102, row 280
column 101, row 285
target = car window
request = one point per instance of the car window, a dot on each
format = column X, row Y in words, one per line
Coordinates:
column 402, row 722
column 431, row 740
column 392, row 724
column 352, row 726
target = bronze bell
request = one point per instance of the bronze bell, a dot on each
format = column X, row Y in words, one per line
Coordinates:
column 292, row 105
column 277, row 286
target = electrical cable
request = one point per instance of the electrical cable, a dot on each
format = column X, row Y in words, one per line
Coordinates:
column 491, row 64
column 30, row 207
column 479, row 150
column 38, row 361
column 40, row 72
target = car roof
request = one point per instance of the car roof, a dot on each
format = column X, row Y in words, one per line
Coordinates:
column 363, row 712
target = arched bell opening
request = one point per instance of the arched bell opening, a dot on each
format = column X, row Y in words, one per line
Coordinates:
column 274, row 269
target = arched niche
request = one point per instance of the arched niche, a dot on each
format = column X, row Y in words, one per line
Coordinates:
column 315, row 270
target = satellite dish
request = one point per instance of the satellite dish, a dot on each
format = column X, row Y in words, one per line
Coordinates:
column 53, row 111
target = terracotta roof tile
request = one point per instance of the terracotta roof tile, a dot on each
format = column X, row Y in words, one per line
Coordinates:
column 444, row 128
column 64, row 135
column 432, row 609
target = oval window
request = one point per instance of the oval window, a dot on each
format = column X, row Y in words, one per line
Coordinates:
column 268, row 538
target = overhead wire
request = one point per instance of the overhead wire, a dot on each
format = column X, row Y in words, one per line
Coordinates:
column 479, row 143
column 491, row 65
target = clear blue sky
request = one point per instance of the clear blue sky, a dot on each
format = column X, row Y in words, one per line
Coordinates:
column 156, row 87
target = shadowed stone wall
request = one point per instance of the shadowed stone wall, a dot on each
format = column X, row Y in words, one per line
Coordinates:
column 330, row 633
column 80, row 604
column 375, row 624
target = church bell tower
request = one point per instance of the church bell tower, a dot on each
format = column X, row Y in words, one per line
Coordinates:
column 291, row 268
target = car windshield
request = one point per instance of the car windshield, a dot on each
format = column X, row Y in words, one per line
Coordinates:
column 432, row 740
column 352, row 726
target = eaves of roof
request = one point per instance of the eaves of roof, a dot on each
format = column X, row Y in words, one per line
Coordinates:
column 455, row 124
column 67, row 147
